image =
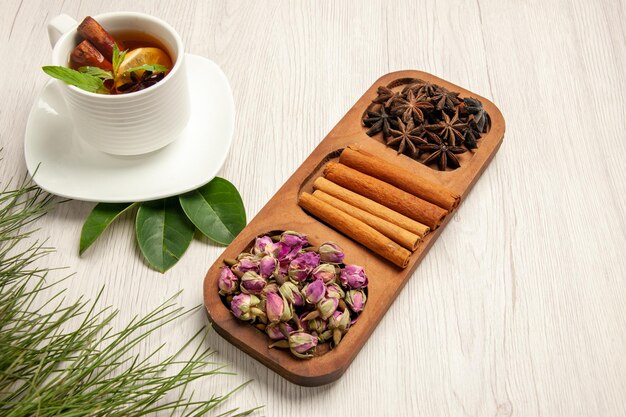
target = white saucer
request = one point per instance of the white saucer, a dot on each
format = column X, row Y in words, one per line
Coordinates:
column 69, row 167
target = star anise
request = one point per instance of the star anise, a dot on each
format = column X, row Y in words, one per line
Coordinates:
column 378, row 122
column 450, row 130
column 411, row 107
column 444, row 154
column 423, row 88
column 476, row 117
column 407, row 137
column 386, row 96
column 443, row 99
column 137, row 83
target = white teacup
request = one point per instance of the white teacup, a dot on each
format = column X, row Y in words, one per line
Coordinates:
column 132, row 123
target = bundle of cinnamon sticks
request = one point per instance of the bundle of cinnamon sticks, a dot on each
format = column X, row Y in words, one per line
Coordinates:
column 383, row 207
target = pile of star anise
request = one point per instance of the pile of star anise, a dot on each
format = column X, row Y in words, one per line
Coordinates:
column 426, row 121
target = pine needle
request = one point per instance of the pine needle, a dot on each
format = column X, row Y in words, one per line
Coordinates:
column 61, row 358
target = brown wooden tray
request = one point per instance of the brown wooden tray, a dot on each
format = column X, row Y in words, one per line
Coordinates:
column 385, row 280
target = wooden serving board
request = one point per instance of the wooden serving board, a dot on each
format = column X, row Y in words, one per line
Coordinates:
column 385, row 280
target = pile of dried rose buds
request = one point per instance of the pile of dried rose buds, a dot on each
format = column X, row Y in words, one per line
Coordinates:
column 297, row 294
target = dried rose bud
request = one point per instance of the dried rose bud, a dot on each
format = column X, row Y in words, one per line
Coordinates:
column 252, row 283
column 325, row 272
column 227, row 281
column 327, row 307
column 335, row 291
column 339, row 323
column 293, row 239
column 303, row 265
column 317, row 325
column 264, row 246
column 270, row 287
column 277, row 308
column 290, row 291
column 246, row 263
column 353, row 276
column 314, row 291
column 277, row 331
column 331, row 253
column 244, row 308
column 356, row 299
column 302, row 344
column 268, row 266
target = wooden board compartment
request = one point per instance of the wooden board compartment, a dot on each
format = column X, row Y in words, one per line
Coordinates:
column 385, row 280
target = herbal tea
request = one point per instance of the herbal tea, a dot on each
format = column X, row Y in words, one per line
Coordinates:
column 101, row 63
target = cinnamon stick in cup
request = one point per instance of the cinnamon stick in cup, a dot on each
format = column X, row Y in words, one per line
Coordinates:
column 396, row 199
column 385, row 171
column 86, row 55
column 356, row 229
column 98, row 36
column 393, row 232
column 370, row 206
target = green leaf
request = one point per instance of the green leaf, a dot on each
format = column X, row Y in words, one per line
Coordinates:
column 118, row 58
column 98, row 220
column 96, row 72
column 83, row 81
column 163, row 232
column 216, row 209
column 148, row 67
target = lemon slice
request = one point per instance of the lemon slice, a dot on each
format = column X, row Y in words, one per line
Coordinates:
column 138, row 57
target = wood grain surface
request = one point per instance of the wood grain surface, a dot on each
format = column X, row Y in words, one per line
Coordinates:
column 519, row 307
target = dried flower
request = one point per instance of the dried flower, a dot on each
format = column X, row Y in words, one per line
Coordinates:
column 277, row 331
column 303, row 265
column 335, row 291
column 290, row 291
column 317, row 325
column 270, row 287
column 264, row 245
column 252, row 283
column 244, row 308
column 268, row 266
column 353, row 276
column 227, row 281
column 325, row 272
column 277, row 308
column 339, row 323
column 247, row 263
column 302, row 344
column 327, row 307
column 356, row 299
column 314, row 291
column 331, row 253
column 293, row 239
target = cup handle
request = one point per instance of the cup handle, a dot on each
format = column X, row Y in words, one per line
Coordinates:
column 58, row 25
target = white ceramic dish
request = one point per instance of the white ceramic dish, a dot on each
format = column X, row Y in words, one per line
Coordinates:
column 63, row 164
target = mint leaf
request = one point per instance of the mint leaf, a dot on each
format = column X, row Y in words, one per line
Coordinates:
column 148, row 67
column 96, row 72
column 118, row 58
column 72, row 77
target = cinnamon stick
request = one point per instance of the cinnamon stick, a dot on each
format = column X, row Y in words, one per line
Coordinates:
column 98, row 36
column 356, row 229
column 386, row 194
column 86, row 55
column 370, row 206
column 372, row 165
column 393, row 232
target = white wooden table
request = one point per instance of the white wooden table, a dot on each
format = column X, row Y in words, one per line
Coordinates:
column 520, row 306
